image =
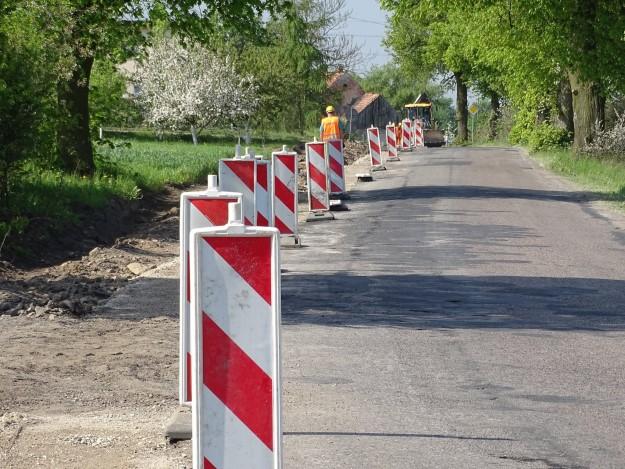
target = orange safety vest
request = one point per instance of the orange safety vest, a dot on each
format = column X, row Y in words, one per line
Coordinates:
column 330, row 128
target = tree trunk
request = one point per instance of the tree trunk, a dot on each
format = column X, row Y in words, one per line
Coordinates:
column 73, row 134
column 194, row 134
column 495, row 114
column 565, row 106
column 586, row 105
column 462, row 112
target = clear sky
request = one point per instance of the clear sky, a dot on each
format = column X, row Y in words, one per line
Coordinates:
column 366, row 25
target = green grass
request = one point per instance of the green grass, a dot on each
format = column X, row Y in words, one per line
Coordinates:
column 137, row 163
column 605, row 177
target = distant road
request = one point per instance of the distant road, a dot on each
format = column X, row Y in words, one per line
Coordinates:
column 468, row 312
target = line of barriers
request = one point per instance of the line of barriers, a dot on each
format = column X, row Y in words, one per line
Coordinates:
column 230, row 239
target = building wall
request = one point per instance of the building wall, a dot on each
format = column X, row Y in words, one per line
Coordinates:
column 378, row 113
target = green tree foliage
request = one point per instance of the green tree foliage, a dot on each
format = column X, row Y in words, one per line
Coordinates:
column 109, row 103
column 27, row 63
column 116, row 29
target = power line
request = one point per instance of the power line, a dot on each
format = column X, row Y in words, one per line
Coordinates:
column 362, row 20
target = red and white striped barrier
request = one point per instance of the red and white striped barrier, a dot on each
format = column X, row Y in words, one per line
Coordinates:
column 391, row 143
column 285, row 192
column 375, row 150
column 317, row 176
column 418, row 133
column 235, row 274
column 406, row 134
column 239, row 175
column 263, row 193
column 336, row 164
column 197, row 210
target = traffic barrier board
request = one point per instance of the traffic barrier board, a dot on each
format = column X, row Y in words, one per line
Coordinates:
column 197, row 210
column 406, row 126
column 235, row 299
column 317, row 177
column 336, row 163
column 373, row 136
column 285, row 192
column 391, row 143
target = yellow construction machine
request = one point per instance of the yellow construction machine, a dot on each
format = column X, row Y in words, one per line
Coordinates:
column 422, row 109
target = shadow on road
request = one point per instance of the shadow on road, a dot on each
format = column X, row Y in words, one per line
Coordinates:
column 398, row 435
column 454, row 302
column 483, row 192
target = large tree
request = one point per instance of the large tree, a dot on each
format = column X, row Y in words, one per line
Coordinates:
column 119, row 29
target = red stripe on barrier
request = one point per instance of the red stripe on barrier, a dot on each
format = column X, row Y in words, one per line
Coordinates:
column 261, row 177
column 288, row 161
column 284, row 194
column 237, row 380
column 189, row 387
column 247, row 222
column 316, row 204
column 261, row 220
column 374, row 131
column 318, row 147
column 250, row 257
column 317, row 176
column 244, row 171
column 334, row 188
column 375, row 147
column 215, row 210
column 208, row 465
column 336, row 167
column 337, row 144
column 282, row 227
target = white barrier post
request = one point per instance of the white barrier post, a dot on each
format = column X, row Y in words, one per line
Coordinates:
column 239, row 175
column 197, row 210
column 317, row 178
column 284, row 194
column 262, row 193
column 391, row 143
column 405, row 138
column 235, row 299
column 375, row 149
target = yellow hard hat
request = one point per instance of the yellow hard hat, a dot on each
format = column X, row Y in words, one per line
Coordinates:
column 330, row 108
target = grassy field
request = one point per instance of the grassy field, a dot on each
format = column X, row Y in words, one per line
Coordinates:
column 129, row 165
column 605, row 177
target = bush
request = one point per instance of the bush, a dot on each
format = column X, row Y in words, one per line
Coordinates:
column 538, row 137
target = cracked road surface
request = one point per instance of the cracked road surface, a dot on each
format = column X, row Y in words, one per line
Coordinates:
column 469, row 311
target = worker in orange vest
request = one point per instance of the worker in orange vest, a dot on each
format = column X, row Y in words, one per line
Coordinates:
column 331, row 126
column 398, row 133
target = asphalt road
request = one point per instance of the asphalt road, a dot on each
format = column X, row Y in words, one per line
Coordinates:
column 468, row 312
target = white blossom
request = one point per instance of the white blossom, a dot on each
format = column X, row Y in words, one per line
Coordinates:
column 191, row 87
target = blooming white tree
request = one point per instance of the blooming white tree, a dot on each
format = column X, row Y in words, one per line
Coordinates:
column 182, row 87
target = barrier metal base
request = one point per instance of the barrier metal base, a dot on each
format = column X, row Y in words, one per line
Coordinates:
column 364, row 177
column 290, row 242
column 394, row 158
column 379, row 167
column 179, row 426
column 337, row 205
column 319, row 216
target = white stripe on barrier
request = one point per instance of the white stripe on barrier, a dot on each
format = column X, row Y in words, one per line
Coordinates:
column 239, row 175
column 197, row 210
column 406, row 134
